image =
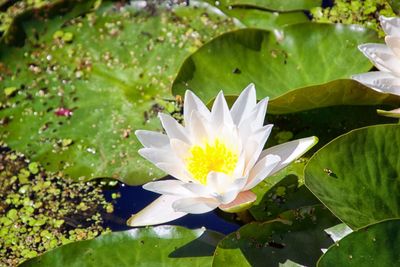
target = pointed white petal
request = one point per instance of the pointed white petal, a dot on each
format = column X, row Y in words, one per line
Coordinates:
column 173, row 128
column 382, row 57
column 157, row 155
column 394, row 44
column 220, row 113
column 152, row 139
column 168, row 187
column 255, row 145
column 195, row 205
column 383, row 82
column 176, row 170
column 159, row 211
column 192, row 102
column 261, row 170
column 289, row 151
column 244, row 104
column 260, row 111
column 198, row 128
column 242, row 201
column 391, row 26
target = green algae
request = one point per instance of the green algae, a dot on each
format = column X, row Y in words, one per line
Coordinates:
column 40, row 210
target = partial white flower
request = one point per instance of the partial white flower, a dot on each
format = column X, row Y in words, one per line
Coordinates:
column 386, row 58
column 216, row 157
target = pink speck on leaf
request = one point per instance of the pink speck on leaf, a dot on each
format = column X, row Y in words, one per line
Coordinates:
column 63, row 112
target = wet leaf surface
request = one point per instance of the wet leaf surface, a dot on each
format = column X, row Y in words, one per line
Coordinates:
column 357, row 175
column 166, row 245
column 84, row 85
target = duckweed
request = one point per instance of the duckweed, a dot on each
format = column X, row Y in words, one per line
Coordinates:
column 40, row 210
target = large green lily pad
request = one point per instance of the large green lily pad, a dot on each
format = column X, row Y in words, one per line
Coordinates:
column 156, row 246
column 285, row 189
column 111, row 72
column 297, row 236
column 375, row 245
column 357, row 175
column 299, row 56
column 277, row 5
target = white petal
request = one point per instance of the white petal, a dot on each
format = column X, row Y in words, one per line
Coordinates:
column 152, row 139
column 225, row 187
column 244, row 104
column 254, row 121
column 176, row 170
column 192, row 102
column 391, row 26
column 157, row 155
column 198, row 189
column 382, row 57
column 180, row 149
column 245, row 197
column 394, row 44
column 173, row 128
column 220, row 113
column 218, row 181
column 168, row 187
column 159, row 211
column 261, row 170
column 198, row 128
column 260, row 111
column 289, row 151
column 380, row 81
column 195, row 205
column 255, row 145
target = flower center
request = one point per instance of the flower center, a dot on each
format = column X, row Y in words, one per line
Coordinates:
column 214, row 156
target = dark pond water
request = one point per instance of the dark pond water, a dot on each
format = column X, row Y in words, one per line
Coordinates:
column 135, row 198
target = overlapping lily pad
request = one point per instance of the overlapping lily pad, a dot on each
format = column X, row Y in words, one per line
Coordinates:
column 357, row 175
column 375, row 245
column 280, row 5
column 157, row 246
column 296, row 237
column 294, row 64
column 78, row 89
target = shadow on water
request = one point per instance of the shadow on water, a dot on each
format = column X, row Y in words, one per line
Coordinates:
column 135, row 198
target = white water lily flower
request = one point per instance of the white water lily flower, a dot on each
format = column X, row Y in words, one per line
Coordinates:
column 216, row 157
column 386, row 58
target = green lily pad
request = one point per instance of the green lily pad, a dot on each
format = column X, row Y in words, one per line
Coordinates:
column 280, row 5
column 266, row 20
column 285, row 190
column 357, row 175
column 296, row 237
column 374, row 245
column 300, row 55
column 155, row 246
column 81, row 97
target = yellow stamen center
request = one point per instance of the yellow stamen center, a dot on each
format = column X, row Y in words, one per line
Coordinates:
column 214, row 156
